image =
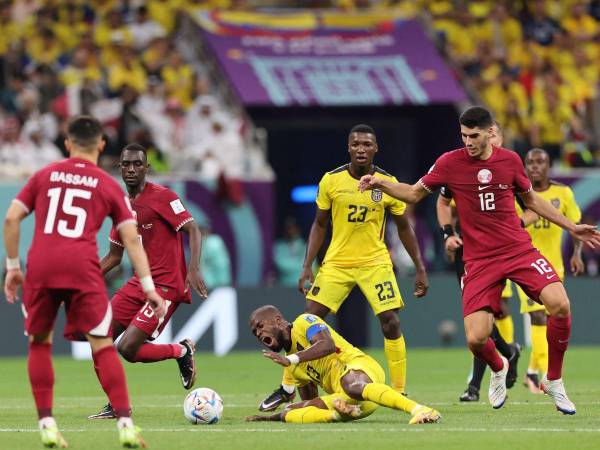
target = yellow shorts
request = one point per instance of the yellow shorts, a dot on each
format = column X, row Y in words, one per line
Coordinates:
column 373, row 370
column 528, row 305
column 507, row 292
column 378, row 284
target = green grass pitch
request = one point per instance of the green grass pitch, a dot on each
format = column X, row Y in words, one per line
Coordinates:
column 436, row 377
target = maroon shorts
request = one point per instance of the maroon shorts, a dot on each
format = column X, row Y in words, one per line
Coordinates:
column 484, row 279
column 87, row 312
column 130, row 307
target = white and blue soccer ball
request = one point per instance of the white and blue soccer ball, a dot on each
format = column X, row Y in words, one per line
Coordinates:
column 203, row 406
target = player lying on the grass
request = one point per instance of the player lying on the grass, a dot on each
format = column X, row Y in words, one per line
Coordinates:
column 70, row 200
column 161, row 217
column 317, row 356
column 357, row 255
column 484, row 180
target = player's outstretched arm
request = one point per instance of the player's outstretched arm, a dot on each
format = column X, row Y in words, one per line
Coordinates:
column 139, row 260
column 12, row 231
column 409, row 240
column 406, row 192
column 193, row 278
column 112, row 259
column 315, row 242
column 586, row 233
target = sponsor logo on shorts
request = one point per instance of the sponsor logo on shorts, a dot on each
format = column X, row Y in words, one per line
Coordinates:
column 315, row 290
column 376, row 195
column 549, row 277
column 484, row 176
column 555, row 202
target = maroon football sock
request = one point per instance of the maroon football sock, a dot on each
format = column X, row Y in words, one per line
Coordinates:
column 489, row 354
column 557, row 334
column 112, row 378
column 41, row 376
column 157, row 352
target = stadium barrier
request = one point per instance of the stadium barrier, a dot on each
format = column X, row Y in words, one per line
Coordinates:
column 220, row 324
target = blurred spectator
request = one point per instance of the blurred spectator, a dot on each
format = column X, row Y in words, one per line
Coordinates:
column 539, row 26
column 215, row 264
column 38, row 150
column 179, row 79
column 288, row 253
column 144, row 30
column 13, row 151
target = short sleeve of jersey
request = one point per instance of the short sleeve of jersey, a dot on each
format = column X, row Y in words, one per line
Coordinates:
column 572, row 211
column 323, row 198
column 115, row 238
column 308, row 325
column 396, row 207
column 521, row 181
column 26, row 197
column 437, row 175
column 170, row 208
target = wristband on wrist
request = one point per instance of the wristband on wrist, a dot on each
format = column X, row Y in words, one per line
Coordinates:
column 447, row 231
column 13, row 263
column 147, row 283
column 293, row 358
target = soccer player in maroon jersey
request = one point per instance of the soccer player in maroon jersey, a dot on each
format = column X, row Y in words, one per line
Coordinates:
column 160, row 216
column 70, row 200
column 483, row 179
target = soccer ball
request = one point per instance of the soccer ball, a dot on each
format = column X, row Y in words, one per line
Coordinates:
column 203, row 405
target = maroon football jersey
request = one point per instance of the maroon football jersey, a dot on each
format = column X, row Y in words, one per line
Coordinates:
column 160, row 215
column 484, row 192
column 71, row 199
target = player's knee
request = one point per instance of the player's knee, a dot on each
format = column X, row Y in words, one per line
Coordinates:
column 476, row 341
column 538, row 318
column 560, row 308
column 127, row 351
column 390, row 325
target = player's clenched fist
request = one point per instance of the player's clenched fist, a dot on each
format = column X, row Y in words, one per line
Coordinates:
column 306, row 280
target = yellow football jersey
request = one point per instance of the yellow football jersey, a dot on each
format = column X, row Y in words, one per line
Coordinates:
column 358, row 219
column 546, row 236
column 321, row 371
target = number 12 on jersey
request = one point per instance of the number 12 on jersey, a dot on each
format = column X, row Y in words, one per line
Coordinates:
column 486, row 201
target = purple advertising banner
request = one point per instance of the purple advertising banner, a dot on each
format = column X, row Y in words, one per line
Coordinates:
column 393, row 65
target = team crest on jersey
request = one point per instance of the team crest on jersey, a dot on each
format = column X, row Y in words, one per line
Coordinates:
column 315, row 290
column 310, row 318
column 555, row 202
column 376, row 195
column 484, row 176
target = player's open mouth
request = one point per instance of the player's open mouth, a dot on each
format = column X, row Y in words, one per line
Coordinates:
column 267, row 341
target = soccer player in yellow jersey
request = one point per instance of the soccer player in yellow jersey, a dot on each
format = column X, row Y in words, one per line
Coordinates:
column 547, row 238
column 316, row 356
column 357, row 254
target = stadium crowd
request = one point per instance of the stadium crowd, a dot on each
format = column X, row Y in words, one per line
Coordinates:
column 121, row 62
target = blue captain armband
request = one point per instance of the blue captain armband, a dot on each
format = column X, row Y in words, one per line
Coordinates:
column 315, row 329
